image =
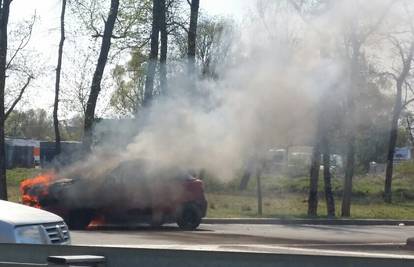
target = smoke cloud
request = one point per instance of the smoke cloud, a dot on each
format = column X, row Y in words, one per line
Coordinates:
column 268, row 94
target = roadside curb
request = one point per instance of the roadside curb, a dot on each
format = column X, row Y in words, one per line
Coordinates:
column 308, row 221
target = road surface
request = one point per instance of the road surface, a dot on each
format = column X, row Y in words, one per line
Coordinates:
column 323, row 239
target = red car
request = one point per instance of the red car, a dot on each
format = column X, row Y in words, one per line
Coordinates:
column 128, row 194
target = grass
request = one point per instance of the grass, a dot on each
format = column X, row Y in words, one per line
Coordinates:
column 295, row 206
column 287, row 197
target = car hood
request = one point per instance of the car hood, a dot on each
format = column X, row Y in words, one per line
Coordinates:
column 17, row 214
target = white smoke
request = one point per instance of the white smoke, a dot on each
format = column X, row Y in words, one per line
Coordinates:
column 267, row 95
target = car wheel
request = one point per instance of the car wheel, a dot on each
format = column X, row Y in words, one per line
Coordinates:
column 157, row 220
column 79, row 219
column 189, row 217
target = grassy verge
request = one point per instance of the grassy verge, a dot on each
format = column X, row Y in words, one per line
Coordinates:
column 287, row 197
column 223, row 205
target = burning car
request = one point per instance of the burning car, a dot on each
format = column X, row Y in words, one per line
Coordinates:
column 128, row 193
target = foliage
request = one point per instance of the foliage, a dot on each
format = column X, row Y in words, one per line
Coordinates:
column 129, row 80
column 38, row 124
column 215, row 38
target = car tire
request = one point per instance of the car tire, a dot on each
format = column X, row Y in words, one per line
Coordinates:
column 79, row 219
column 157, row 220
column 189, row 217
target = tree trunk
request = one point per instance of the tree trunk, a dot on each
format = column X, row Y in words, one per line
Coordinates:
column 410, row 131
column 192, row 35
column 57, row 84
column 349, row 173
column 164, row 48
column 4, row 19
column 314, row 177
column 392, row 143
column 330, row 201
column 152, row 61
column 245, row 180
column 350, row 157
column 407, row 63
column 97, row 76
column 259, row 192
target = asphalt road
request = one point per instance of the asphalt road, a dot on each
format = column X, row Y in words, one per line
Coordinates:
column 322, row 239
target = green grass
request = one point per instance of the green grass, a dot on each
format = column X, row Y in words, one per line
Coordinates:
column 287, row 197
column 295, row 206
column 14, row 177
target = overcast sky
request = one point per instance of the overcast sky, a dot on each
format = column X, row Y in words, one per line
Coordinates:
column 45, row 36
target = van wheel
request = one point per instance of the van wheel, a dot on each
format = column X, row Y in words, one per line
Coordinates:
column 79, row 219
column 189, row 217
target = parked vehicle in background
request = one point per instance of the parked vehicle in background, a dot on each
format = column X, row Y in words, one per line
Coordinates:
column 27, row 225
column 295, row 161
column 403, row 154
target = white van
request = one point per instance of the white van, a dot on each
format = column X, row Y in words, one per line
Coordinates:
column 23, row 224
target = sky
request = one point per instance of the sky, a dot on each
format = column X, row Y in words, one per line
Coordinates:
column 45, row 37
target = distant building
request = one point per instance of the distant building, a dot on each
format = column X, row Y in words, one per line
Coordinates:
column 23, row 153
column 28, row 153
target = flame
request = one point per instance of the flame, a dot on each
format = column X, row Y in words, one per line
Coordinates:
column 96, row 222
column 33, row 188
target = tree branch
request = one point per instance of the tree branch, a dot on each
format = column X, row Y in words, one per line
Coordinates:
column 23, row 42
column 407, row 103
column 179, row 24
column 19, row 97
column 385, row 12
column 389, row 74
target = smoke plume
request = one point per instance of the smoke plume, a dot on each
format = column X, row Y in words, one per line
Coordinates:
column 269, row 91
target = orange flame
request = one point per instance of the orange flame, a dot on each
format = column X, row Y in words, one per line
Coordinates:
column 96, row 222
column 40, row 183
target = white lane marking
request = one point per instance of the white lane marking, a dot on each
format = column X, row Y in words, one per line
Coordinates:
column 254, row 248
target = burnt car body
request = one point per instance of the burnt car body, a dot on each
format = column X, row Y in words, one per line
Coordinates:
column 127, row 194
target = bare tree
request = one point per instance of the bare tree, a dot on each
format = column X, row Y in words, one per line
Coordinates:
column 358, row 35
column 17, row 64
column 4, row 20
column 18, row 98
column 97, row 77
column 406, row 54
column 355, row 51
column 57, row 84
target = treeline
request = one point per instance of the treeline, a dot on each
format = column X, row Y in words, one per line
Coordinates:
column 38, row 124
